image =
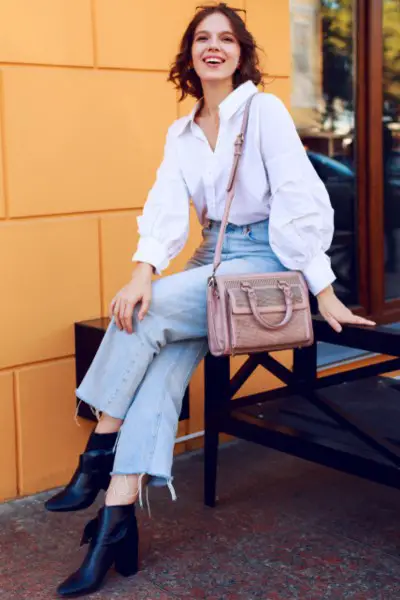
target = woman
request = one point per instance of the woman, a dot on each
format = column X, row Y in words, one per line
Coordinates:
column 281, row 218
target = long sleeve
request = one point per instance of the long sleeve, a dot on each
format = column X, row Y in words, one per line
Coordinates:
column 301, row 216
column 164, row 223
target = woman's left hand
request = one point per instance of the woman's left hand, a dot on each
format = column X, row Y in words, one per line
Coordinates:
column 335, row 312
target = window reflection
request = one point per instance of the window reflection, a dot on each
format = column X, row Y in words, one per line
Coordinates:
column 391, row 144
column 323, row 104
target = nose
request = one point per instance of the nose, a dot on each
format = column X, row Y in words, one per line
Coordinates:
column 214, row 44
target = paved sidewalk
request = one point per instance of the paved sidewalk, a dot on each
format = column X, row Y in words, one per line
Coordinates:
column 283, row 529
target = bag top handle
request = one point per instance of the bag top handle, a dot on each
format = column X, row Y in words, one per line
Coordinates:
column 231, row 184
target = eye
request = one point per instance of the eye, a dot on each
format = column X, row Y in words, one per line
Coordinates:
column 228, row 39
column 200, row 38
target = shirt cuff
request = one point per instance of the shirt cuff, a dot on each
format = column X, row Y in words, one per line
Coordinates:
column 152, row 251
column 318, row 273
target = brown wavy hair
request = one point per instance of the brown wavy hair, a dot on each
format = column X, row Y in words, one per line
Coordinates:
column 185, row 78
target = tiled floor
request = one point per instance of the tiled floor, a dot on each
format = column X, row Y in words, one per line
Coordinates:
column 283, row 529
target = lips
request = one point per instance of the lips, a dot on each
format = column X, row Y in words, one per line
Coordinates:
column 213, row 60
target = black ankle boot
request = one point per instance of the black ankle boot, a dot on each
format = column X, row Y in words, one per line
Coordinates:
column 113, row 539
column 92, row 475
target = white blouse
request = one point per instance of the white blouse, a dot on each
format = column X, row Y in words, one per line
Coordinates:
column 275, row 179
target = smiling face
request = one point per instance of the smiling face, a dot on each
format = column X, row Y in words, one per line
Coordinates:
column 215, row 49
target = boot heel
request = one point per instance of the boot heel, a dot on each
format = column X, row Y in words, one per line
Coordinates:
column 113, row 539
column 127, row 554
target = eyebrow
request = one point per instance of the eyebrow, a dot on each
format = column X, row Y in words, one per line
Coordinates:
column 222, row 32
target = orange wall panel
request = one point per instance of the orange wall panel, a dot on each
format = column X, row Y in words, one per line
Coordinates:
column 49, row 438
column 118, row 243
column 51, row 280
column 2, row 183
column 196, row 397
column 280, row 87
column 8, row 459
column 137, row 35
column 46, row 31
column 269, row 22
column 186, row 106
column 85, row 141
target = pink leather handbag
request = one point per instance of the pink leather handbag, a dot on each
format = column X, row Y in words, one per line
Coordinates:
column 255, row 312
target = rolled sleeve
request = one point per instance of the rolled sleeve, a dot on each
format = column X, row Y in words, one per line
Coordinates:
column 318, row 273
column 153, row 252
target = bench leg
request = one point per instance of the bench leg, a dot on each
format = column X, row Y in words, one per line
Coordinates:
column 217, row 378
column 210, row 466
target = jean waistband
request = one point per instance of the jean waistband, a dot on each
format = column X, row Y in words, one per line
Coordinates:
column 212, row 225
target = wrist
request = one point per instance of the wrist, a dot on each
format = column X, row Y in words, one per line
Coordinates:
column 144, row 267
column 326, row 292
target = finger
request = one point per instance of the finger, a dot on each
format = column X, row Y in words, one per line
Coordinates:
column 127, row 317
column 111, row 308
column 336, row 326
column 121, row 313
column 116, row 314
column 144, row 308
column 361, row 321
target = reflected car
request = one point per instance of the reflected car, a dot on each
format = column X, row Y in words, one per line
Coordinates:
column 340, row 182
column 393, row 169
column 392, row 187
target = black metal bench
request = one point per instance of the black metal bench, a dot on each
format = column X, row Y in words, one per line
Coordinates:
column 349, row 421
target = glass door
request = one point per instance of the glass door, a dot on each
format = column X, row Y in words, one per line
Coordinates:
column 346, row 106
column 324, row 108
column 391, row 145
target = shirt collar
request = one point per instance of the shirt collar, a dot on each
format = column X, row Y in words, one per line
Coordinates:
column 228, row 107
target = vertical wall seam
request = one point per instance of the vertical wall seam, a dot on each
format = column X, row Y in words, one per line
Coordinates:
column 17, row 421
column 3, row 148
column 101, row 261
column 94, row 32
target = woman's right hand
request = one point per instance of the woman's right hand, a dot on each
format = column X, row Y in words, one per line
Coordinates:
column 336, row 313
column 137, row 290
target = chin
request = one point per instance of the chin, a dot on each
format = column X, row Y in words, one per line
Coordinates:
column 216, row 76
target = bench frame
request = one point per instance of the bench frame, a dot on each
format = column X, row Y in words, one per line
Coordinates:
column 302, row 380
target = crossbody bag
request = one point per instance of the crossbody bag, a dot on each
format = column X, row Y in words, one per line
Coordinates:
column 257, row 312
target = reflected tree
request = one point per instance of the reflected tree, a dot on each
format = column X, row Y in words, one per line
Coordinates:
column 391, row 58
column 337, row 58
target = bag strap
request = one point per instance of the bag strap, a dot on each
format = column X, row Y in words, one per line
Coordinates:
column 231, row 184
column 252, row 297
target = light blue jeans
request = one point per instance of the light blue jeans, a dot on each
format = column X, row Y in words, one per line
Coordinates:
column 141, row 377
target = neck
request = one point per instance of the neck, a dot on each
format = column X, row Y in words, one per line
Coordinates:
column 214, row 92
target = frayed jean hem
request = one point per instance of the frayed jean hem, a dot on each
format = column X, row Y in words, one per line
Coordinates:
column 155, row 479
column 109, row 410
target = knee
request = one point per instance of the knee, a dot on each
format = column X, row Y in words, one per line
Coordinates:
column 162, row 297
